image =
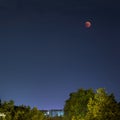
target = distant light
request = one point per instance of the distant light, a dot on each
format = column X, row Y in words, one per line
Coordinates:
column 2, row 115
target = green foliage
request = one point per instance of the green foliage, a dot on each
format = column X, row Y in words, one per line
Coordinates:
column 22, row 112
column 90, row 105
column 36, row 114
column 81, row 105
column 7, row 107
column 103, row 107
column 76, row 106
column 54, row 118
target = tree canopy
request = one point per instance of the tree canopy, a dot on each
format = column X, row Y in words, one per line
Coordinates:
column 21, row 112
column 103, row 107
column 91, row 105
column 76, row 105
column 84, row 104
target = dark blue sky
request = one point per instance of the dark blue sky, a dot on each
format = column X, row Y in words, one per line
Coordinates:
column 46, row 52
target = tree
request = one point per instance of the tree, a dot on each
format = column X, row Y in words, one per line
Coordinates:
column 103, row 107
column 76, row 106
column 7, row 107
column 21, row 113
column 36, row 114
column 54, row 118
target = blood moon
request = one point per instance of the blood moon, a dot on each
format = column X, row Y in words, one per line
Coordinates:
column 87, row 24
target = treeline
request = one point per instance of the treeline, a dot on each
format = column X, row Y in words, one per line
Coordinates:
column 91, row 105
column 81, row 105
column 21, row 112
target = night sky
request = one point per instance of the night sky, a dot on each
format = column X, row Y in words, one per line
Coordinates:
column 46, row 52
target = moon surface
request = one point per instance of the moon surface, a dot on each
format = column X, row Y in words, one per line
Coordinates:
column 87, row 24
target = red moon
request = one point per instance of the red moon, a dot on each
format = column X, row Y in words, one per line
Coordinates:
column 87, row 24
